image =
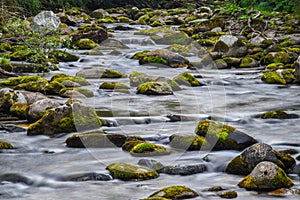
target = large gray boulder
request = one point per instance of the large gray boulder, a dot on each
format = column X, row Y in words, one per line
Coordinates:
column 37, row 109
column 8, row 97
column 45, row 21
column 266, row 176
column 231, row 46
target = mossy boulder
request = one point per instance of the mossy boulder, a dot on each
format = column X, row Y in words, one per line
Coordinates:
column 230, row 46
column 6, row 64
column 129, row 144
column 8, row 98
column 99, row 72
column 154, row 30
column 108, row 20
column 170, row 38
column 38, row 108
column 63, row 56
column 184, row 50
column 190, row 143
column 33, row 86
column 275, row 66
column 71, row 94
column 278, row 114
column 95, row 140
column 175, row 192
column 289, row 76
column 156, row 23
column 115, row 86
column 266, row 176
column 20, row 54
column 154, row 88
column 223, row 136
column 156, row 198
column 112, row 44
column 128, row 172
column 65, row 119
column 187, row 79
column 53, row 88
column 232, row 61
column 248, row 62
column 86, row 92
column 244, row 163
column 228, row 194
column 6, row 145
column 99, row 14
column 86, row 43
column 19, row 110
column 60, row 78
column 149, row 149
column 5, row 46
column 163, row 57
column 277, row 57
column 272, row 77
column 91, row 31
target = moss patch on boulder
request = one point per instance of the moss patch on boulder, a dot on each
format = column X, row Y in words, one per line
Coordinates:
column 190, row 143
column 154, row 88
column 175, row 192
column 273, row 77
column 149, row 149
column 187, row 79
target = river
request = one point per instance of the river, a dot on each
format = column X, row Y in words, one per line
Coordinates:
column 234, row 96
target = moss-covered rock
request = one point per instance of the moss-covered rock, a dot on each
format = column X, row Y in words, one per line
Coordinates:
column 90, row 31
column 99, row 72
column 248, row 62
column 86, row 43
column 37, row 109
column 161, row 56
column 19, row 110
column 65, row 119
column 272, row 77
column 114, row 86
column 63, row 56
column 53, row 88
column 228, row 194
column 95, row 140
column 6, row 64
column 5, row 46
column 111, row 43
column 244, row 163
column 60, row 78
column 187, row 79
column 223, row 136
column 231, row 46
column 266, row 176
column 6, row 145
column 20, row 54
column 275, row 66
column 289, row 76
column 184, row 50
column 128, row 172
column 156, row 23
column 9, row 97
column 154, row 31
column 108, row 20
column 149, row 149
column 232, row 61
column 33, row 86
column 86, row 92
column 277, row 57
column 277, row 114
column 175, row 192
column 190, row 143
column 172, row 38
column 154, row 88
column 128, row 145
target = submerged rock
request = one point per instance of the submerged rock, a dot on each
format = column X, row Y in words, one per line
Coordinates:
column 154, row 88
column 95, row 140
column 184, row 170
column 266, row 176
column 175, row 192
column 90, row 176
column 149, row 149
column 244, row 163
column 152, row 164
column 278, row 114
column 222, row 136
column 128, row 172
column 99, row 72
column 162, row 56
column 228, row 194
column 65, row 119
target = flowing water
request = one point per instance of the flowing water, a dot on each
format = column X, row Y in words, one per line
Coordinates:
column 234, row 96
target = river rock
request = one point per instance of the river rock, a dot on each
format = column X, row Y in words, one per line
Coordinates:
column 11, row 128
column 173, row 37
column 231, row 46
column 112, row 44
column 94, row 32
column 99, row 72
column 228, row 194
column 187, row 79
column 175, row 192
column 8, row 97
column 99, row 14
column 278, row 114
column 297, row 68
column 65, row 119
column 32, row 97
column 222, row 136
column 184, row 170
column 277, row 57
column 154, row 88
column 189, row 143
column 65, row 79
column 89, row 176
column 152, row 164
column 15, row 178
column 45, row 21
column 244, row 163
column 266, row 176
column 128, row 172
column 163, row 57
column 149, row 149
column 6, row 145
column 95, row 140
column 37, row 109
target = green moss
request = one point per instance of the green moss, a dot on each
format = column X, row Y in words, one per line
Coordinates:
column 231, row 61
column 277, row 114
column 86, row 44
column 6, row 145
column 154, row 88
column 149, row 149
column 19, row 80
column 6, row 64
column 248, row 183
column 275, row 66
column 248, row 62
column 153, row 59
column 110, row 73
column 128, row 145
column 206, row 42
column 53, row 87
column 127, row 172
column 176, row 192
column 191, row 143
column 228, row 194
column 289, row 76
column 286, row 43
column 5, row 46
column 213, row 129
column 181, row 49
column 187, row 79
column 123, row 19
column 63, row 56
column 273, row 77
column 156, row 23
column 156, row 198
column 113, row 86
column 20, row 110
column 33, row 86
column 238, row 166
column 21, row 55
column 66, row 124
column 63, row 77
column 107, row 20
column 153, row 31
column 172, row 38
column 278, row 57
column 281, row 180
